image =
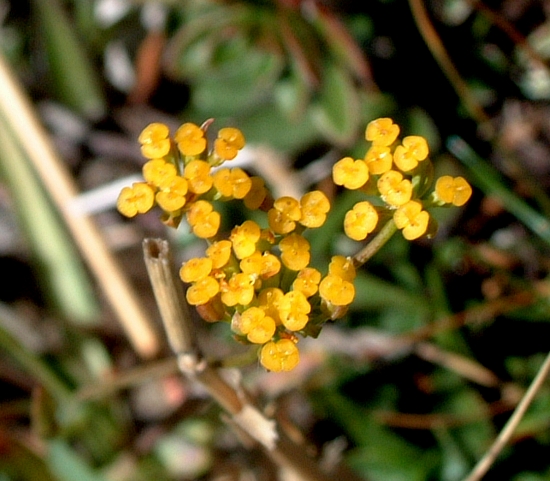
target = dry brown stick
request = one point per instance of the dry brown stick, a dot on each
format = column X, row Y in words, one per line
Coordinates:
column 34, row 140
column 461, row 365
column 434, row 43
column 509, row 29
column 490, row 456
column 230, row 396
column 477, row 314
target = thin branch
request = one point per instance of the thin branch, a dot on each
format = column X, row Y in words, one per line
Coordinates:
column 490, row 456
column 434, row 43
column 509, row 29
column 111, row 385
column 461, row 365
column 474, row 315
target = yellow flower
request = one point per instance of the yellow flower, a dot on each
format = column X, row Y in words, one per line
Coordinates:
column 360, row 221
column 294, row 252
column 382, row 132
column 293, row 310
column 394, row 189
column 414, row 150
column 202, row 291
column 228, row 143
column 281, row 355
column 172, row 196
column 268, row 300
column 220, row 253
column 307, row 281
column 155, row 141
column 134, row 200
column 336, row 291
column 190, row 139
column 378, row 159
column 256, row 195
column 197, row 173
column 451, row 190
column 314, row 207
column 232, row 183
column 238, row 290
column 350, row 173
column 283, row 216
column 244, row 238
column 158, row 172
column 262, row 266
column 411, row 219
column 195, row 269
column 203, row 219
column 254, row 324
column 342, row 267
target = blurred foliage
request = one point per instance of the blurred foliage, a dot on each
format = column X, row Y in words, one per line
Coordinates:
column 444, row 336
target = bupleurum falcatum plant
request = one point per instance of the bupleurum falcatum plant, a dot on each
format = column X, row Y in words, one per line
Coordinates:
column 259, row 279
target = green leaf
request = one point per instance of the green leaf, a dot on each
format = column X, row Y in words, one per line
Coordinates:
column 61, row 273
column 237, row 84
column 455, row 464
column 292, row 97
column 268, row 125
column 190, row 54
column 67, row 465
column 336, row 112
column 389, row 458
column 492, row 183
column 380, row 454
column 74, row 78
column 375, row 293
column 473, row 437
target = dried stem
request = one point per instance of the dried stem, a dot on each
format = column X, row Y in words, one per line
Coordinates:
column 509, row 29
column 111, row 385
column 490, row 456
column 169, row 297
column 434, row 43
column 230, row 396
column 25, row 126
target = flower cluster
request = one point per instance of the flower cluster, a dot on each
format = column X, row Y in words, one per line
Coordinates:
column 259, row 278
column 179, row 177
column 259, row 281
column 399, row 175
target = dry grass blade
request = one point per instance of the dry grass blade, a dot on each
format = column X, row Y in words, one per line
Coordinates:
column 489, row 458
column 57, row 181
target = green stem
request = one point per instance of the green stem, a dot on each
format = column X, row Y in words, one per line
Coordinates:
column 375, row 244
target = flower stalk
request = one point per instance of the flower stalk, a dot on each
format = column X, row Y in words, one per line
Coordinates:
column 231, row 397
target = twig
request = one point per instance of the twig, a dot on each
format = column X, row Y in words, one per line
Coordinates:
column 509, row 29
column 474, row 315
column 34, row 140
column 230, row 396
column 434, row 43
column 490, row 456
column 111, row 385
column 461, row 365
